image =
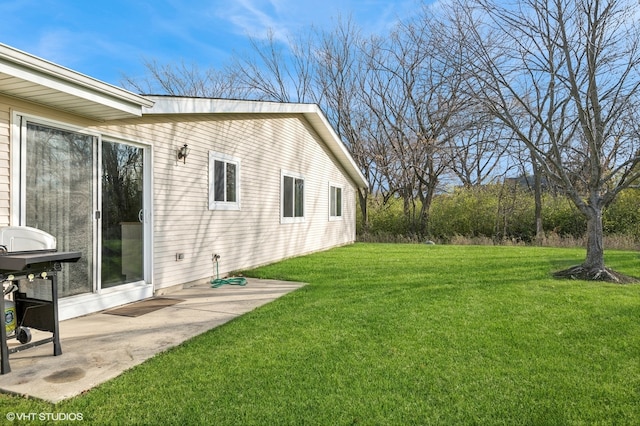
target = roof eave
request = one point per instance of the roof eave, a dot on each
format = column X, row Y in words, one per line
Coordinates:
column 321, row 125
column 64, row 87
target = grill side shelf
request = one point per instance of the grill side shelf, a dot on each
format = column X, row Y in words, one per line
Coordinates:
column 21, row 262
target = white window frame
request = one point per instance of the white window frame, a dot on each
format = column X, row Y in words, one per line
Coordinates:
column 295, row 219
column 333, row 187
column 227, row 159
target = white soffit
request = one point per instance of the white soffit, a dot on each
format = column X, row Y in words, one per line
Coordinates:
column 311, row 112
column 28, row 77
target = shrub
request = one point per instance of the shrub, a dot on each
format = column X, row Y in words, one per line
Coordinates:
column 493, row 211
column 467, row 212
column 503, row 214
column 561, row 217
column 623, row 216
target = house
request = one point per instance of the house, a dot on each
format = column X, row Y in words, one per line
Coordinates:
column 151, row 188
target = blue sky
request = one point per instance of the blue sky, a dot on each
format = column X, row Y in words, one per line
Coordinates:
column 106, row 39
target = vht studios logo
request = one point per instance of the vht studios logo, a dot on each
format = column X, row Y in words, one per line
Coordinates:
column 52, row 417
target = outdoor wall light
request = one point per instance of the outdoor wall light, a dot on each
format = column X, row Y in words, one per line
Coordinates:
column 182, row 153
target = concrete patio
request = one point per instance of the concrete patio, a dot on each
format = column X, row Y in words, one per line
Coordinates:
column 100, row 346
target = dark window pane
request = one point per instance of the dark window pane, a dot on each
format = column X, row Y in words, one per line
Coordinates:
column 231, row 182
column 287, row 195
column 218, row 177
column 338, row 201
column 332, row 201
column 299, row 198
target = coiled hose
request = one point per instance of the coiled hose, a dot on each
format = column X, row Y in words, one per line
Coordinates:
column 217, row 282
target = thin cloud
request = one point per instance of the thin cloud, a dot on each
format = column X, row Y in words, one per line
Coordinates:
column 61, row 46
column 103, row 39
column 286, row 17
column 255, row 18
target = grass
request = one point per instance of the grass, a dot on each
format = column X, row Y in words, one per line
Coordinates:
column 400, row 334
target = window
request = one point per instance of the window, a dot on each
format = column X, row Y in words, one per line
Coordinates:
column 292, row 198
column 335, row 202
column 224, row 182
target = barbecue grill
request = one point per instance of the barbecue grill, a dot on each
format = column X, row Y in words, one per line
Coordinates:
column 29, row 261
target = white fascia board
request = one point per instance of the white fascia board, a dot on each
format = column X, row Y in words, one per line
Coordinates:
column 47, row 74
column 186, row 105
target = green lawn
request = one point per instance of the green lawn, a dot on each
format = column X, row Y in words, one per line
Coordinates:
column 397, row 335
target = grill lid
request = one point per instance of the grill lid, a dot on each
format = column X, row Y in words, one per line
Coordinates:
column 25, row 239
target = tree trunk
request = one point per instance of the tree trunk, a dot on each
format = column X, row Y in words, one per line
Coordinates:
column 426, row 201
column 363, row 196
column 595, row 248
column 593, row 267
column 537, row 191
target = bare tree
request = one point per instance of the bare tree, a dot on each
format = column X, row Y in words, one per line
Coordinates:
column 478, row 152
column 564, row 76
column 412, row 88
column 273, row 71
column 184, row 80
column 339, row 69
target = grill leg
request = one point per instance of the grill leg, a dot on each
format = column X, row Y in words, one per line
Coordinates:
column 6, row 368
column 57, row 348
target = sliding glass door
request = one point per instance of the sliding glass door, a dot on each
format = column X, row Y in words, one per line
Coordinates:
column 59, row 197
column 89, row 194
column 122, row 214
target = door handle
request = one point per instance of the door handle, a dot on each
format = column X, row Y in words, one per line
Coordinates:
column 141, row 216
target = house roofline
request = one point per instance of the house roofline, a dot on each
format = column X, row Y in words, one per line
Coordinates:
column 311, row 112
column 64, row 88
column 33, row 79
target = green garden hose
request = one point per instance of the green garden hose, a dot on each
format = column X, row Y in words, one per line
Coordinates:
column 217, row 282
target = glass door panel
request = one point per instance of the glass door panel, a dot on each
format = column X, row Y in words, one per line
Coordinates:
column 122, row 214
column 59, row 197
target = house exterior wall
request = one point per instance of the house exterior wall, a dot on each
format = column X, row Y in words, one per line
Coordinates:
column 254, row 235
column 5, row 170
column 266, row 145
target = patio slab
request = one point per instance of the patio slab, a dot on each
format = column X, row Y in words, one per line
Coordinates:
column 100, row 346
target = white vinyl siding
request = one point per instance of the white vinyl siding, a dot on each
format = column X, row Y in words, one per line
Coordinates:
column 182, row 222
column 5, row 172
column 254, row 235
